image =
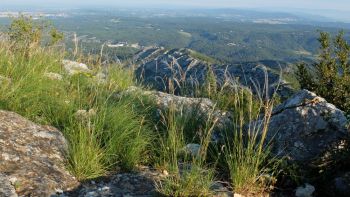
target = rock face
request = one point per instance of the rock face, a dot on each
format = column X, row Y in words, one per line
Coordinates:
column 308, row 130
column 156, row 67
column 31, row 157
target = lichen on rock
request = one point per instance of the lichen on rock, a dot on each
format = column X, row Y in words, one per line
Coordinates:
column 33, row 156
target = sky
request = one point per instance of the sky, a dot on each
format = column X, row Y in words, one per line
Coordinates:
column 343, row 5
column 336, row 9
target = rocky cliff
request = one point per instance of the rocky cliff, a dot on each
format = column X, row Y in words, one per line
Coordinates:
column 157, row 66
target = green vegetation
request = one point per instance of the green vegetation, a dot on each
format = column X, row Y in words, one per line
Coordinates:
column 209, row 35
column 188, row 173
column 25, row 34
column 330, row 76
column 107, row 130
column 251, row 170
column 103, row 132
column 202, row 57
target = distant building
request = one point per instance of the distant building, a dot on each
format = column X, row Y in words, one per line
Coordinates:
column 118, row 44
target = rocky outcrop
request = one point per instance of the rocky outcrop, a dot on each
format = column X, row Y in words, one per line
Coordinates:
column 157, row 66
column 203, row 108
column 32, row 158
column 308, row 130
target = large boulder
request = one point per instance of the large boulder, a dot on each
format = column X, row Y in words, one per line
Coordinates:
column 307, row 130
column 32, row 158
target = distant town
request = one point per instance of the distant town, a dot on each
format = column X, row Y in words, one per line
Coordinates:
column 35, row 15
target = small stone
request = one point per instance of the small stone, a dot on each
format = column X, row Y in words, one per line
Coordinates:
column 92, row 113
column 53, row 76
column 5, row 156
column 92, row 194
column 4, row 79
column 342, row 184
column 84, row 114
column 13, row 180
column 165, row 172
column 105, row 188
column 305, row 191
column 59, row 191
column 73, row 68
column 101, row 78
column 193, row 149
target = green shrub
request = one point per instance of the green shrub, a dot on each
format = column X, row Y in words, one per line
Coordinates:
column 25, row 33
column 330, row 76
column 56, row 36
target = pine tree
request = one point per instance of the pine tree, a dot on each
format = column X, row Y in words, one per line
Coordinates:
column 331, row 74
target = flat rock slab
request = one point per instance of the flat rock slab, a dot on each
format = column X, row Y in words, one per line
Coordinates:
column 141, row 184
column 33, row 157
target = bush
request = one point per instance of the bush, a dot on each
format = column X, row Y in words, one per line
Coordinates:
column 330, row 76
column 26, row 35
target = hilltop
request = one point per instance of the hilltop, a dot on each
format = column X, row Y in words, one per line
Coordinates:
column 168, row 122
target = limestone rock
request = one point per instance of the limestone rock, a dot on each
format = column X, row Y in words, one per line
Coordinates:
column 33, row 156
column 202, row 107
column 305, row 191
column 84, row 114
column 193, row 149
column 140, row 183
column 73, row 68
column 100, row 78
column 53, row 76
column 307, row 129
column 157, row 66
column 6, row 187
column 342, row 184
column 4, row 80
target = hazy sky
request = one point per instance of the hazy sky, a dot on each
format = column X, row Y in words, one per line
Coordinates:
column 343, row 5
